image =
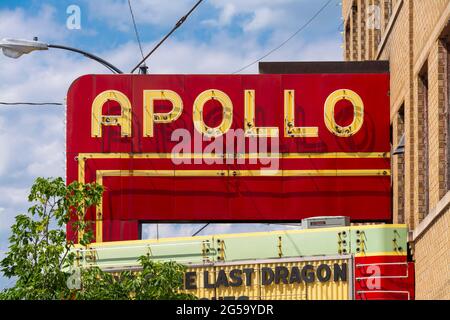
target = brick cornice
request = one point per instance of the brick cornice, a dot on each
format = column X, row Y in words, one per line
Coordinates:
column 348, row 10
column 389, row 27
column 434, row 214
column 434, row 36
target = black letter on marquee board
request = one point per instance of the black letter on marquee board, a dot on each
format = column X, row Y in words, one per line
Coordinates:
column 248, row 276
column 340, row 272
column 295, row 275
column 266, row 276
column 323, row 268
column 189, row 280
column 236, row 277
column 206, row 283
column 281, row 274
column 222, row 279
column 308, row 277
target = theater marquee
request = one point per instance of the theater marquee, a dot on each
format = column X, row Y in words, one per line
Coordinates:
column 230, row 147
column 324, row 278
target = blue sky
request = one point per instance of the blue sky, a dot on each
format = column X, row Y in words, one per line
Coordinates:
column 220, row 37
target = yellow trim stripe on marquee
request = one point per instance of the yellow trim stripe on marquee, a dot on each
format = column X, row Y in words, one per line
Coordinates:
column 83, row 157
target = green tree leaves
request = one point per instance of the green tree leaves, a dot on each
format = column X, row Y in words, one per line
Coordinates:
column 155, row 281
column 41, row 260
column 39, row 255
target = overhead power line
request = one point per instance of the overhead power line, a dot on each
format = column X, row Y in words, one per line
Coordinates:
column 297, row 225
column 200, row 230
column 304, row 26
column 31, row 103
column 177, row 25
column 135, row 29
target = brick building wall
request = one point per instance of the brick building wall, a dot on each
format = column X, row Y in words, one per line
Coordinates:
column 414, row 36
column 432, row 257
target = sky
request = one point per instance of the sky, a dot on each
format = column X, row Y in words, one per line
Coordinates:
column 220, row 37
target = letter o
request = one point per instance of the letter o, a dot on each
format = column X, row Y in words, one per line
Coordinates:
column 358, row 113
column 227, row 107
column 320, row 273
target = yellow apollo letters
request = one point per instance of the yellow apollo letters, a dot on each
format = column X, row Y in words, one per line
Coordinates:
column 290, row 130
column 149, row 104
column 98, row 119
column 227, row 118
column 249, row 122
column 251, row 130
column 358, row 113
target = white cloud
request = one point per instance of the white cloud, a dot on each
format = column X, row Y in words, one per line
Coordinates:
column 45, row 165
column 13, row 201
column 263, row 18
column 32, row 144
column 116, row 13
column 247, row 15
column 226, row 15
column 224, row 54
column 18, row 23
column 5, row 147
column 12, row 196
column 254, row 15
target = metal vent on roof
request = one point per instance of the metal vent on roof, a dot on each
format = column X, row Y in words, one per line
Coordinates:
column 325, row 222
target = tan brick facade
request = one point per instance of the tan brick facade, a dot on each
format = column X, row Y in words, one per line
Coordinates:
column 432, row 256
column 414, row 35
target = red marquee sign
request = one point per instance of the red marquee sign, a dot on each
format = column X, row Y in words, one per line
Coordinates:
column 230, row 147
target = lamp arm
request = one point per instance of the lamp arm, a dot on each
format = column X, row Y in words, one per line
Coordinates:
column 89, row 55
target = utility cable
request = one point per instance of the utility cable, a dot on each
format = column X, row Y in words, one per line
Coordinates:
column 201, row 229
column 135, row 29
column 31, row 103
column 177, row 25
column 304, row 26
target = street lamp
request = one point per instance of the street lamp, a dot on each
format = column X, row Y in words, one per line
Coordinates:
column 15, row 48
